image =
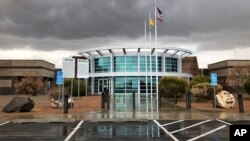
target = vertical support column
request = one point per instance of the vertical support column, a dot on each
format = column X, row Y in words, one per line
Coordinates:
column 112, row 100
column 179, row 64
column 92, row 70
column 92, row 61
column 92, row 84
column 139, row 92
column 163, row 62
column 111, row 63
column 138, row 80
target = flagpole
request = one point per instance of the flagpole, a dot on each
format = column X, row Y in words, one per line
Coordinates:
column 156, row 59
column 146, row 68
column 151, row 94
column 150, row 63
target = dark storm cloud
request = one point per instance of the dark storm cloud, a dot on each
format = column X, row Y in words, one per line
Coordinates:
column 75, row 24
column 71, row 19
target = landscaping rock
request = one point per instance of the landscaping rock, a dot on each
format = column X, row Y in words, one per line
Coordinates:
column 19, row 103
column 57, row 103
column 225, row 100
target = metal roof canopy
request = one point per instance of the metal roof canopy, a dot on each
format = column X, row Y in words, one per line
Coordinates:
column 116, row 49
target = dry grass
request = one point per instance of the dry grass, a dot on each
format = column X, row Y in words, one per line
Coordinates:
column 209, row 106
column 42, row 105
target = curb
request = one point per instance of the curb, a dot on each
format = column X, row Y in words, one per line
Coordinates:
column 43, row 120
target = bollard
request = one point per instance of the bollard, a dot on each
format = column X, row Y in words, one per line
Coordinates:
column 102, row 101
column 175, row 97
column 107, row 100
column 65, row 130
column 133, row 100
column 65, row 104
column 159, row 99
column 214, row 103
column 240, row 101
column 189, row 100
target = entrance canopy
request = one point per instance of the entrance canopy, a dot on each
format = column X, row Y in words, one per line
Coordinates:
column 101, row 51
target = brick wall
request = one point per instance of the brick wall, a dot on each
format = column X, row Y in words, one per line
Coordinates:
column 190, row 65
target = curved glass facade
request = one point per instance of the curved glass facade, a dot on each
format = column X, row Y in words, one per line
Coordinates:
column 121, row 86
column 130, row 64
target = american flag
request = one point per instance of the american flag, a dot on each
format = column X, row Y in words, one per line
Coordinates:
column 160, row 16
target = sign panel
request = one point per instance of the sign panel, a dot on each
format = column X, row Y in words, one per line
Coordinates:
column 213, row 79
column 59, row 77
column 82, row 68
column 68, row 67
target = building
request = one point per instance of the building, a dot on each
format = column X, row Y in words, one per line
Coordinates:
column 123, row 71
column 12, row 71
column 226, row 70
column 190, row 65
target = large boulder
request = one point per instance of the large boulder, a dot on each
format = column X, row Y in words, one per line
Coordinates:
column 225, row 100
column 19, row 103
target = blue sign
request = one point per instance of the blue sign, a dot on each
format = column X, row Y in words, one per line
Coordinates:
column 59, row 77
column 213, row 79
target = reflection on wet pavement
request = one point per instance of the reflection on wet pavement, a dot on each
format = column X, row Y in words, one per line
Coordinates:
column 129, row 130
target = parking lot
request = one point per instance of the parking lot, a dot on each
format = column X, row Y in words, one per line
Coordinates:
column 157, row 130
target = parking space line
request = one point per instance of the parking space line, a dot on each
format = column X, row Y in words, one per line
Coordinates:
column 189, row 126
column 4, row 123
column 172, row 123
column 166, row 131
column 73, row 132
column 223, row 122
column 202, row 135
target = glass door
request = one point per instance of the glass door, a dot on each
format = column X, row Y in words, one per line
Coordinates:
column 104, row 83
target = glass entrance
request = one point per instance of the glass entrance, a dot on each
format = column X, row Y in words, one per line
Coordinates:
column 102, row 83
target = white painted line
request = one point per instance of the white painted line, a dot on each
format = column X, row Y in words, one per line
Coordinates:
column 73, row 132
column 4, row 123
column 172, row 122
column 202, row 135
column 189, row 126
column 166, row 131
column 223, row 122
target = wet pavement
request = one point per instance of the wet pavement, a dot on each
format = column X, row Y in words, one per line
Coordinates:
column 35, row 131
column 172, row 123
column 151, row 130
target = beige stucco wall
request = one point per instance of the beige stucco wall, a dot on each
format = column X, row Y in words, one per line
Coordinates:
column 27, row 63
column 26, row 68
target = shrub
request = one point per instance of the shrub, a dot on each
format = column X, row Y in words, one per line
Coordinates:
column 204, row 92
column 67, row 87
column 169, row 84
column 247, row 86
column 199, row 79
column 30, row 85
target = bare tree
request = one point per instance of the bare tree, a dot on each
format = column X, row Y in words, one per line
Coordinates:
column 238, row 75
column 30, row 85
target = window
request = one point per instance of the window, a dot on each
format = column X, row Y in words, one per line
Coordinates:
column 125, row 64
column 102, row 64
column 171, row 64
column 143, row 66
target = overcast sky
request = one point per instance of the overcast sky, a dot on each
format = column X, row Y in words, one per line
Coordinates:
column 214, row 30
